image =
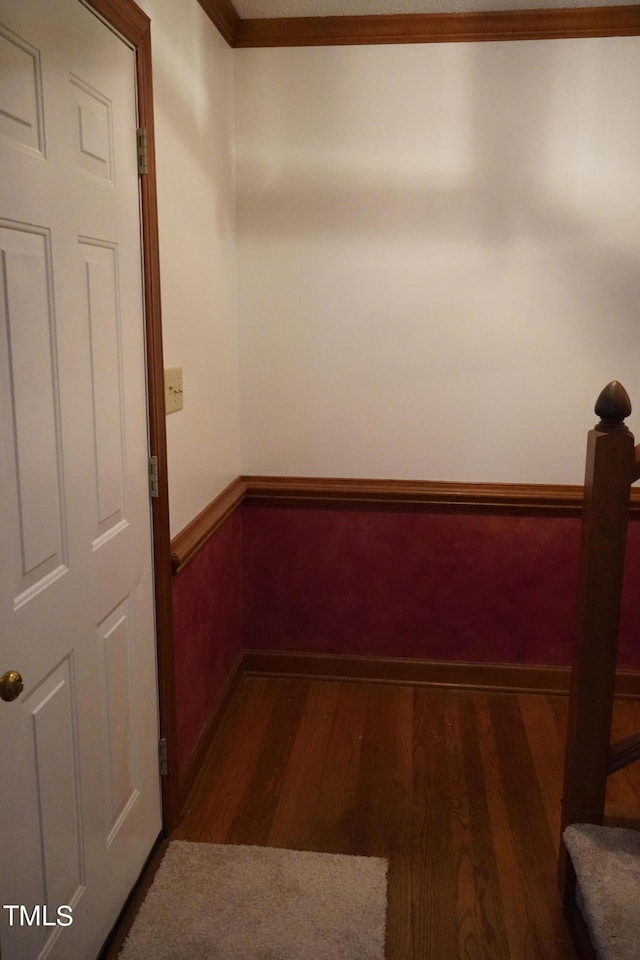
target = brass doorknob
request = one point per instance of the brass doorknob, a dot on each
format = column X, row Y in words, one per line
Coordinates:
column 11, row 685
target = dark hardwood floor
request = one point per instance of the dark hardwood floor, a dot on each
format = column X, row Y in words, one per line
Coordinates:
column 459, row 790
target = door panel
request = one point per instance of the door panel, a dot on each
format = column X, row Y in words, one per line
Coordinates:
column 103, row 321
column 21, row 118
column 79, row 796
column 31, row 393
column 52, row 710
column 115, row 636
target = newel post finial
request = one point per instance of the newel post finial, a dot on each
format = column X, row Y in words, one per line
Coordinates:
column 612, row 406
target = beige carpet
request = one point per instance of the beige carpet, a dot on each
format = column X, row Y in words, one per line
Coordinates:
column 607, row 865
column 215, row 902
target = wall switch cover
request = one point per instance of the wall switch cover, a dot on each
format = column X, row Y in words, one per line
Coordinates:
column 173, row 389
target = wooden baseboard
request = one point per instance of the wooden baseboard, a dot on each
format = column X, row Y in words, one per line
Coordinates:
column 503, row 677
column 208, row 735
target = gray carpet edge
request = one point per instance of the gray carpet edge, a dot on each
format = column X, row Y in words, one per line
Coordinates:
column 607, row 865
column 237, row 902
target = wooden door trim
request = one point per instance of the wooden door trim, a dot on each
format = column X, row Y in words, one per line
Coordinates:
column 135, row 26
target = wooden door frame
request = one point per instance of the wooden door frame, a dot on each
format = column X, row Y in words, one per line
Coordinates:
column 135, row 26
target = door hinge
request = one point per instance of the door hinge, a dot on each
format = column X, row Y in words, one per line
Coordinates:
column 142, row 150
column 153, row 477
column 162, row 757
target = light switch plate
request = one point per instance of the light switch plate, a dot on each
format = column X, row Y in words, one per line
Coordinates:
column 173, row 389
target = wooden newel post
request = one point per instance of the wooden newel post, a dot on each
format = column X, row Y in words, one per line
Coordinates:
column 609, row 472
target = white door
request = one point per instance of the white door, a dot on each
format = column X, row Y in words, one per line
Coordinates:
column 79, row 780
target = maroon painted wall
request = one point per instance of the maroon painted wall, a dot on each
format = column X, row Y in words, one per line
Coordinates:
column 379, row 581
column 207, row 625
column 432, row 585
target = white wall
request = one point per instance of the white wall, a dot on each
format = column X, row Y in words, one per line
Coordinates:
column 438, row 256
column 193, row 99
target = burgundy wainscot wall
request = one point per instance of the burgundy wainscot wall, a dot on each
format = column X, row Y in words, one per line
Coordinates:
column 207, row 625
column 379, row 581
column 432, row 585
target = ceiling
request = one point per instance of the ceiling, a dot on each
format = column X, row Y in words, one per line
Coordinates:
column 269, row 9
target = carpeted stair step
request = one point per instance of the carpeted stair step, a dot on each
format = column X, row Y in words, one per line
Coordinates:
column 607, row 865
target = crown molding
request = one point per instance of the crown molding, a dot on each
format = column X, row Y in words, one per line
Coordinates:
column 442, row 27
column 557, row 23
column 224, row 16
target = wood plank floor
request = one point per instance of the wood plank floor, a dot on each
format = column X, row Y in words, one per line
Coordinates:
column 459, row 790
